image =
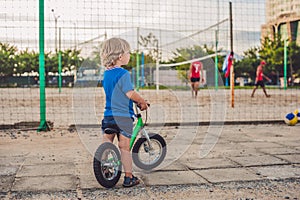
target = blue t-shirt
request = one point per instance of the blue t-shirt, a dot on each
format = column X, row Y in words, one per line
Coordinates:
column 116, row 83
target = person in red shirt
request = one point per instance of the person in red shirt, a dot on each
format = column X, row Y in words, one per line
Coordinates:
column 195, row 69
column 259, row 79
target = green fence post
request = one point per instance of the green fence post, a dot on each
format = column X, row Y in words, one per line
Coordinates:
column 216, row 63
column 137, row 71
column 285, row 65
column 43, row 123
column 137, row 61
column 59, row 62
column 59, row 71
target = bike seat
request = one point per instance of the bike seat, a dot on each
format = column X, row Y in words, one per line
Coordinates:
column 111, row 131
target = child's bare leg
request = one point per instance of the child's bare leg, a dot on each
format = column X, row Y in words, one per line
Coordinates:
column 126, row 158
column 108, row 137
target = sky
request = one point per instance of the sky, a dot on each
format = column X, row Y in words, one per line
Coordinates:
column 84, row 23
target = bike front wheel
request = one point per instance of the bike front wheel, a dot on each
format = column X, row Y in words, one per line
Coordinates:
column 107, row 165
column 148, row 155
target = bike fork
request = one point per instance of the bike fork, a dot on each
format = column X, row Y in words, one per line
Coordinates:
column 144, row 132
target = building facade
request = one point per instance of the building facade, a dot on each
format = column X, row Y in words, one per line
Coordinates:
column 282, row 17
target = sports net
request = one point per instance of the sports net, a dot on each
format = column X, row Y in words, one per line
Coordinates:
column 165, row 36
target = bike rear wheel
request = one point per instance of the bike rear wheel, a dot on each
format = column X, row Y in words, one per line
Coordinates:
column 107, row 165
column 146, row 158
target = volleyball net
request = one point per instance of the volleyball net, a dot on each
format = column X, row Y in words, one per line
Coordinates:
column 165, row 38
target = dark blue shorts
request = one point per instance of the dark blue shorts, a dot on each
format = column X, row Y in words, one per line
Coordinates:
column 123, row 124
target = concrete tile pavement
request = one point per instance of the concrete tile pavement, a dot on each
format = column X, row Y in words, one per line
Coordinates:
column 57, row 162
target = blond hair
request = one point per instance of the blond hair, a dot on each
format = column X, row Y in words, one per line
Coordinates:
column 112, row 49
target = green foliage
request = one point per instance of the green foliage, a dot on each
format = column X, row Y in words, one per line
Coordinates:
column 295, row 58
column 70, row 60
column 272, row 51
column 247, row 66
column 133, row 56
column 184, row 54
column 13, row 61
column 7, row 59
column 27, row 61
column 96, row 53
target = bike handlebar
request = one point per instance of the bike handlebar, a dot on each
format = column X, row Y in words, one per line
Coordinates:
column 148, row 104
column 138, row 113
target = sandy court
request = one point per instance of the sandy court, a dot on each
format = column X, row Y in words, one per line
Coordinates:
column 85, row 105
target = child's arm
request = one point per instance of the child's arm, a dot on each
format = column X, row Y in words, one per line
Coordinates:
column 134, row 96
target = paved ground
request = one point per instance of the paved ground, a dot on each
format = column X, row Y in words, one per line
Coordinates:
column 46, row 164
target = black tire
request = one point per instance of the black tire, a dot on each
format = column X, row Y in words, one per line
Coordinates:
column 141, row 154
column 107, row 165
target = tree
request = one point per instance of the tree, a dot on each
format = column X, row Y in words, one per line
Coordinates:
column 247, row 66
column 70, row 60
column 196, row 51
column 7, row 59
column 96, row 53
column 13, row 61
column 132, row 62
column 27, row 61
column 295, row 58
column 272, row 51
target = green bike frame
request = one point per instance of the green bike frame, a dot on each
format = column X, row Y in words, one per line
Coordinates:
column 139, row 125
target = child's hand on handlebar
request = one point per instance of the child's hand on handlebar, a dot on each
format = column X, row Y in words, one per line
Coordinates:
column 148, row 103
column 143, row 105
column 140, row 102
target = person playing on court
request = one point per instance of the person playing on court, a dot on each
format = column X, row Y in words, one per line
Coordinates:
column 259, row 79
column 195, row 69
column 119, row 92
